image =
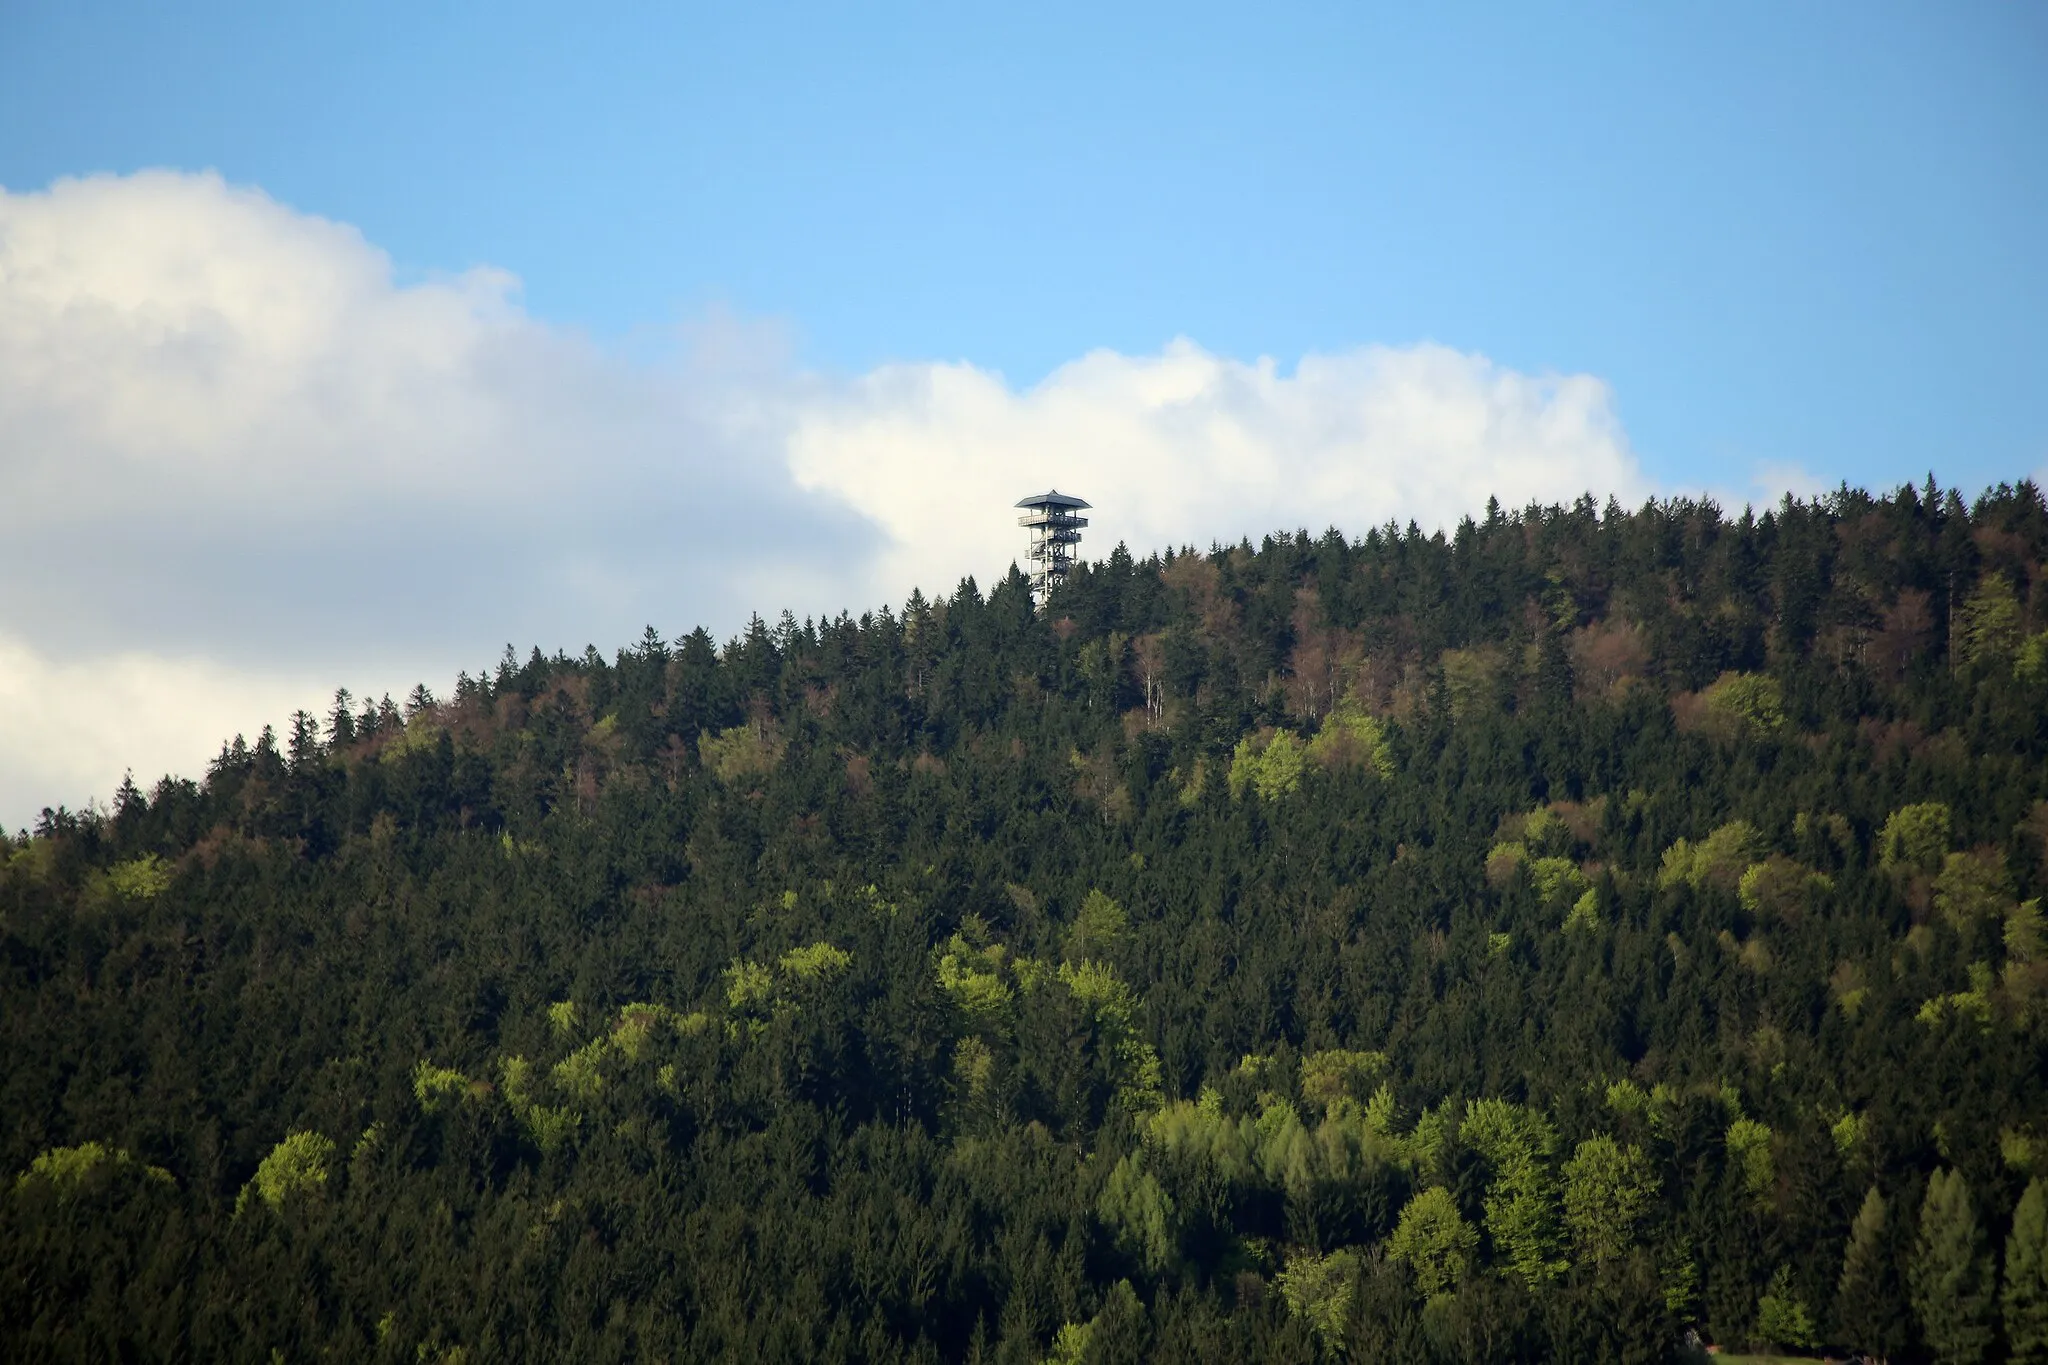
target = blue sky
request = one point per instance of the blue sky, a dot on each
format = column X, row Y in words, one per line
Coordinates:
column 1801, row 234
column 344, row 344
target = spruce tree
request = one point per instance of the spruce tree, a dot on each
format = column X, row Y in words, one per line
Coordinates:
column 1870, row 1311
column 2026, row 1278
column 1951, row 1274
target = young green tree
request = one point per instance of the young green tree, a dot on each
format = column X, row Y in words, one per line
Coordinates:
column 1521, row 1194
column 1991, row 622
column 1781, row 1317
column 1320, row 1289
column 1608, row 1189
column 1950, row 1274
column 1914, row 839
column 2026, row 1278
column 1098, row 931
column 295, row 1167
column 1434, row 1241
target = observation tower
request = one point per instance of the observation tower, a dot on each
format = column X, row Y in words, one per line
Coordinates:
column 1055, row 526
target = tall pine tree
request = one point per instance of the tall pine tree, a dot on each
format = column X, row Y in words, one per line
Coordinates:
column 2026, row 1279
column 1951, row 1274
column 1870, row 1303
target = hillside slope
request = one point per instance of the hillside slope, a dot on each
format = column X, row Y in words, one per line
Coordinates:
column 1527, row 942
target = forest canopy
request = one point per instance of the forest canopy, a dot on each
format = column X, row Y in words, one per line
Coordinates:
column 1541, row 939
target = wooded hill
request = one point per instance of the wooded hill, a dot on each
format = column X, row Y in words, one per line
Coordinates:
column 1526, row 942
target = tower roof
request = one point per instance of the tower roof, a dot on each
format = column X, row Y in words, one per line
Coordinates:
column 1053, row 499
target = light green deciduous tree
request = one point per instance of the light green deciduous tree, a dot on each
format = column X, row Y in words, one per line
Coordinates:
column 1608, row 1188
column 1434, row 1241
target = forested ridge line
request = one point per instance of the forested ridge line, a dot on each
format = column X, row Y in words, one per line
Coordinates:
column 1532, row 941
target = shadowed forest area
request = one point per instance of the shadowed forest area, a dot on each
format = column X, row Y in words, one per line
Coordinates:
column 1534, row 941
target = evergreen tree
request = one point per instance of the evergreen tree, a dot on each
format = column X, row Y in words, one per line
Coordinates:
column 341, row 724
column 1781, row 1317
column 1268, row 926
column 305, row 741
column 2026, row 1278
column 1950, row 1275
column 1870, row 1302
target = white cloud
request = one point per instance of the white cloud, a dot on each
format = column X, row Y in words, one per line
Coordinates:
column 242, row 464
column 225, row 428
column 1771, row 481
column 1187, row 447
column 73, row 728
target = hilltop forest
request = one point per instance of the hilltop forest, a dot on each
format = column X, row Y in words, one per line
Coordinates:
column 1585, row 934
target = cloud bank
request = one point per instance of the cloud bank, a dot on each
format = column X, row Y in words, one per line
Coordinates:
column 1187, row 447
column 246, row 463
column 227, row 428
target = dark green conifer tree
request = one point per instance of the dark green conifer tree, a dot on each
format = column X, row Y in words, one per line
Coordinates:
column 1870, row 1301
column 1950, row 1274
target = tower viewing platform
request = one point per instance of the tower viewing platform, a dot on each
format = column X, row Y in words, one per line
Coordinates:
column 1055, row 525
